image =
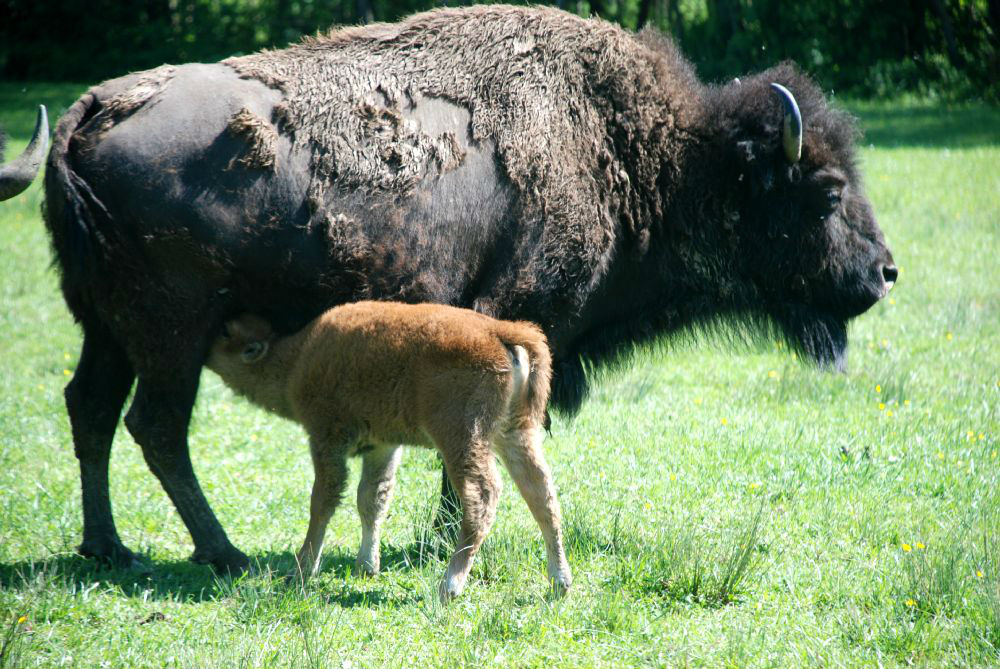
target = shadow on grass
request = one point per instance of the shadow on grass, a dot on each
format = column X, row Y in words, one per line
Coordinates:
column 185, row 581
column 931, row 126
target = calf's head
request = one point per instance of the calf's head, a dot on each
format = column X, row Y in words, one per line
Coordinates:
column 244, row 340
column 806, row 237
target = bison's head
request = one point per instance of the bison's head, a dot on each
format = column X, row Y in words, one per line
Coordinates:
column 804, row 232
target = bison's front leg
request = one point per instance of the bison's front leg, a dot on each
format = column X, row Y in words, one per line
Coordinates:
column 158, row 420
column 94, row 400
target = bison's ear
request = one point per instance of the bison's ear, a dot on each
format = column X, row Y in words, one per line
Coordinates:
column 254, row 351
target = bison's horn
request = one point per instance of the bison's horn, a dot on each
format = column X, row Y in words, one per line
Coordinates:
column 19, row 174
column 791, row 126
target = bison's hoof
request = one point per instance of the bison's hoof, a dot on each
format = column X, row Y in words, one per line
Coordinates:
column 111, row 552
column 229, row 561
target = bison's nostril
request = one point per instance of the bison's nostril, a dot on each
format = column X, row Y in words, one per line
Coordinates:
column 889, row 273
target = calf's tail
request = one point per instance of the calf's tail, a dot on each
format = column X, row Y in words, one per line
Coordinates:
column 531, row 370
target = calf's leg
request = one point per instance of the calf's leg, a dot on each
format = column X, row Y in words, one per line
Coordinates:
column 473, row 471
column 378, row 478
column 158, row 420
column 522, row 454
column 94, row 400
column 330, row 464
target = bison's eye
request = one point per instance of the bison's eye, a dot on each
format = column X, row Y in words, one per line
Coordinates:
column 833, row 197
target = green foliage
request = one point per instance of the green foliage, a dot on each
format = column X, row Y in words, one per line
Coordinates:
column 722, row 508
column 945, row 49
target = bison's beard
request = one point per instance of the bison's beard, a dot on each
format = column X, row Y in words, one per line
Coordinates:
column 815, row 334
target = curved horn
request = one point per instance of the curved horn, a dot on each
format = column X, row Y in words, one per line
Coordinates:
column 19, row 174
column 791, row 126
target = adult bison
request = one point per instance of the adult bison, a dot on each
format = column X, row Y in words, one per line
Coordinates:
column 521, row 161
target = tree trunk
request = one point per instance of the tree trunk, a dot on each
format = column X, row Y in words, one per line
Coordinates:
column 645, row 10
column 949, row 32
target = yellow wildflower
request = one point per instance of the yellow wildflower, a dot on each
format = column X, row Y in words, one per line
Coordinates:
column 697, row 400
column 878, row 388
column 20, row 621
column 673, row 477
column 906, row 403
column 907, row 548
column 889, row 413
column 892, row 300
column 981, row 436
column 979, row 573
column 725, row 422
column 881, row 406
column 66, row 372
column 910, row 602
column 65, row 356
column 885, row 342
column 773, row 374
column 948, row 336
column 920, row 546
column 940, row 455
column 969, row 434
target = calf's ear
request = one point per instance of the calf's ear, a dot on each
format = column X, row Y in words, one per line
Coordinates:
column 254, row 351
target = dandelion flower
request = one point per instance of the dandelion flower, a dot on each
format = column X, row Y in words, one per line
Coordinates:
column 969, row 434
column 979, row 573
column 948, row 336
column 892, row 300
column 878, row 388
column 20, row 621
column 889, row 413
column 906, row 403
column 981, row 436
column 919, row 546
column 65, row 356
column 647, row 506
column 773, row 374
column 673, row 477
column 910, row 602
column 697, row 400
column 66, row 372
column 881, row 406
column 885, row 342
column 940, row 455
column 725, row 422
column 907, row 548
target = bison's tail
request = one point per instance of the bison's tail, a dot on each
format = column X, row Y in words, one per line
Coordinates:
column 72, row 211
column 531, row 369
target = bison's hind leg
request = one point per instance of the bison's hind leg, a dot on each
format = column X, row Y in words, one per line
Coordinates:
column 94, row 400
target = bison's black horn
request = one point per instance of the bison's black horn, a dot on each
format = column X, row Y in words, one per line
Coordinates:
column 19, row 174
column 791, row 126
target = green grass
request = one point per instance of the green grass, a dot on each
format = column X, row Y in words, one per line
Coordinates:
column 721, row 508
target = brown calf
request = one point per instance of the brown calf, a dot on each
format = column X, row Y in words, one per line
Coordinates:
column 363, row 378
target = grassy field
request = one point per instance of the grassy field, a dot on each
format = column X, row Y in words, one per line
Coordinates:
column 722, row 508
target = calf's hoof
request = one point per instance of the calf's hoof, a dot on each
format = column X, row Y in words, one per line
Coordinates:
column 560, row 584
column 366, row 568
column 450, row 588
column 111, row 552
column 230, row 560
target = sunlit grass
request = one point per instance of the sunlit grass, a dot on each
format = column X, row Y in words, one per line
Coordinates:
column 721, row 508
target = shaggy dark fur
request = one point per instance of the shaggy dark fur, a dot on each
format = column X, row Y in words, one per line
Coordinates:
column 520, row 161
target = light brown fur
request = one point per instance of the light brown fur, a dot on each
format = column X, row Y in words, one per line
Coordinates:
column 365, row 377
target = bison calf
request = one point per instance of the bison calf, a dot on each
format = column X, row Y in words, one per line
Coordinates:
column 365, row 377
